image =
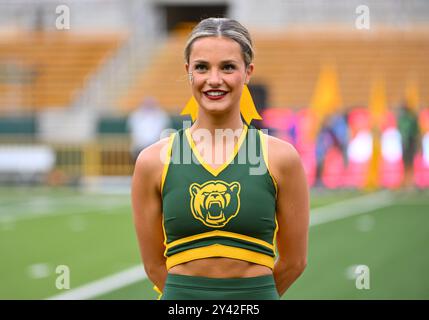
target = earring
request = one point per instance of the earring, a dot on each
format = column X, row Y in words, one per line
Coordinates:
column 191, row 77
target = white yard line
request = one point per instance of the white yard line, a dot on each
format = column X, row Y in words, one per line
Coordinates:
column 351, row 207
column 332, row 212
column 104, row 285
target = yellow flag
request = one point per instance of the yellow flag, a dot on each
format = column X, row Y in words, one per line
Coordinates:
column 191, row 108
column 377, row 102
column 373, row 176
column 377, row 106
column 412, row 96
column 326, row 97
column 247, row 106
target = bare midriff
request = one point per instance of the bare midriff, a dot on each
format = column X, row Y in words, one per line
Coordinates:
column 220, row 268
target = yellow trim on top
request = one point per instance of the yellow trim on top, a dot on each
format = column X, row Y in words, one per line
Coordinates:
column 167, row 160
column 164, row 232
column 264, row 144
column 159, row 292
column 164, row 175
column 275, row 234
column 209, row 168
column 219, row 233
column 217, row 250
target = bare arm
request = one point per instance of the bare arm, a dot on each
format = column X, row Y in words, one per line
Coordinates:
column 147, row 212
column 292, row 213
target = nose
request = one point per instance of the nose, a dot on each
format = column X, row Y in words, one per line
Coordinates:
column 214, row 79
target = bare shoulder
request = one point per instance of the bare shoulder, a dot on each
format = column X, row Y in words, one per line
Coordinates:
column 150, row 161
column 282, row 155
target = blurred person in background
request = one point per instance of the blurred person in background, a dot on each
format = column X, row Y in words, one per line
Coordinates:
column 210, row 230
column 424, row 132
column 334, row 132
column 408, row 126
column 146, row 124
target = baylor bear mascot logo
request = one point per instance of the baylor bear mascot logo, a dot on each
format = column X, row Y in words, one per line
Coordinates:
column 214, row 203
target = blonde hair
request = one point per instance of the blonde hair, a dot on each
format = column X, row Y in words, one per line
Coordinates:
column 222, row 27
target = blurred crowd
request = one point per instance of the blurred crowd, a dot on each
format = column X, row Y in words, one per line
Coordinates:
column 339, row 150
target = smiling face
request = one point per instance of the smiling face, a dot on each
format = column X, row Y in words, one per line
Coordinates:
column 219, row 73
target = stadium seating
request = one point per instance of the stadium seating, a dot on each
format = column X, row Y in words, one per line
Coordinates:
column 289, row 63
column 47, row 69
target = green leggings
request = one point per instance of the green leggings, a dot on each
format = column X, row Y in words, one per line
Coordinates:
column 180, row 287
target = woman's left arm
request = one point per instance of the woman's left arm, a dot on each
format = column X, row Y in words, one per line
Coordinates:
column 292, row 212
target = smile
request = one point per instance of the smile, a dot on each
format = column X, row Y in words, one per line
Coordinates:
column 215, row 94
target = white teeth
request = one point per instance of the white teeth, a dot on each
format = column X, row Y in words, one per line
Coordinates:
column 215, row 93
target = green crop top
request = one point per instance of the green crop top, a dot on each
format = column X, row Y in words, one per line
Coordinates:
column 228, row 212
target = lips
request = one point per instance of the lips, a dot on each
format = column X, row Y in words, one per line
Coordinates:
column 215, row 94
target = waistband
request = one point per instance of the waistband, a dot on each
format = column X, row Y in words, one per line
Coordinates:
column 259, row 282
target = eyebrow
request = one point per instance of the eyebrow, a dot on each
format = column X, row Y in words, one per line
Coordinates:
column 222, row 62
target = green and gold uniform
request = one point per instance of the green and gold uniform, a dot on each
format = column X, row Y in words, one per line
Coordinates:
column 227, row 211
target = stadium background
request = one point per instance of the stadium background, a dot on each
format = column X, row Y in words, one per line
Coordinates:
column 65, row 163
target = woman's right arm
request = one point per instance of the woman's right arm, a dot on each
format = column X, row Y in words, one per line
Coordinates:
column 147, row 211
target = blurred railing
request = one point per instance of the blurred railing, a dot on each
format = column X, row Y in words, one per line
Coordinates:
column 108, row 156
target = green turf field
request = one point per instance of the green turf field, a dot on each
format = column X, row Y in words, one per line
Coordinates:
column 93, row 235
